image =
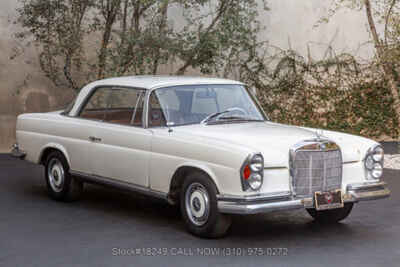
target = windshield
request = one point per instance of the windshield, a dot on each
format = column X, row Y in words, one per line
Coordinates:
column 191, row 104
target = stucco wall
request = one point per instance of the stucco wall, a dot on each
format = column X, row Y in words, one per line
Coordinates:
column 22, row 87
column 289, row 24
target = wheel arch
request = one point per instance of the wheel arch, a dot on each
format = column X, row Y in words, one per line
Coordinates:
column 179, row 176
column 47, row 149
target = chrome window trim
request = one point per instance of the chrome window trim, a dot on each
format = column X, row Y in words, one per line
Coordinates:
column 146, row 109
column 136, row 108
column 258, row 104
column 162, row 110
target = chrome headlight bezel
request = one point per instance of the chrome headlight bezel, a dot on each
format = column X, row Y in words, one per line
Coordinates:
column 373, row 163
column 252, row 172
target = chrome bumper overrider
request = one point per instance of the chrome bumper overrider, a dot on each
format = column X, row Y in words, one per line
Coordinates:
column 17, row 152
column 285, row 201
column 366, row 191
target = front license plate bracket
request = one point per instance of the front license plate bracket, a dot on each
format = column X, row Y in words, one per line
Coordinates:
column 328, row 200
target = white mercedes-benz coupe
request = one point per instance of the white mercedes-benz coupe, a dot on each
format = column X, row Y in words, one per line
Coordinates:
column 202, row 143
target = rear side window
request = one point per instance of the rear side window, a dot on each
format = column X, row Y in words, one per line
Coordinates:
column 125, row 106
column 116, row 105
column 97, row 105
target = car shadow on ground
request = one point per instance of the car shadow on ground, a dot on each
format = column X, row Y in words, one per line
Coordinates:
column 135, row 209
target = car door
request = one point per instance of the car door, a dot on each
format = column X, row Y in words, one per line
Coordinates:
column 82, row 128
column 121, row 145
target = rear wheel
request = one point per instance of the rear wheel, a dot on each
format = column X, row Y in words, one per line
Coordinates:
column 60, row 184
column 331, row 216
column 199, row 207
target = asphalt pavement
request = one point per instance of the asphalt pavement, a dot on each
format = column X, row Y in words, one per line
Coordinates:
column 112, row 228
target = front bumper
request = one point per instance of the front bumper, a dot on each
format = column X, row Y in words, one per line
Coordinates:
column 16, row 152
column 286, row 201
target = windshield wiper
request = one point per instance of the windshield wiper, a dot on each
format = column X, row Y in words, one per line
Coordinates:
column 238, row 118
column 213, row 115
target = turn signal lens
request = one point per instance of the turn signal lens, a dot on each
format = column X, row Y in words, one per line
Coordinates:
column 246, row 172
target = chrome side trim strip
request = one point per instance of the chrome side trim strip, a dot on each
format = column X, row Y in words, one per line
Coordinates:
column 351, row 162
column 275, row 168
column 119, row 184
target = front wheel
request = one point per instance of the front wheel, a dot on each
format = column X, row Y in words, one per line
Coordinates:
column 331, row 216
column 199, row 207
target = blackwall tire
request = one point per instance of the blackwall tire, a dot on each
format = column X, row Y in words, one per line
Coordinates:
column 199, row 209
column 61, row 186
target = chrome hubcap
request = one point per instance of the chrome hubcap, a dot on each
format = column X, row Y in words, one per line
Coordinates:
column 56, row 175
column 197, row 204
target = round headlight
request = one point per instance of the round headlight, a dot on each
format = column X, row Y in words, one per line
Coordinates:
column 257, row 163
column 369, row 162
column 377, row 171
column 377, row 154
column 255, row 181
column 252, row 172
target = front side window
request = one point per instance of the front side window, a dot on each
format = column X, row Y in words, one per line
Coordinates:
column 156, row 115
column 191, row 104
column 115, row 105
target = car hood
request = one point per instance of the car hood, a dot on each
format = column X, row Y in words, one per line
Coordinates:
column 274, row 140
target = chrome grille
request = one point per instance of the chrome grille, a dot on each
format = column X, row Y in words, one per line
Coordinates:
column 316, row 170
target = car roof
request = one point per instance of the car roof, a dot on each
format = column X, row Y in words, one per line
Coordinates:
column 146, row 82
column 152, row 82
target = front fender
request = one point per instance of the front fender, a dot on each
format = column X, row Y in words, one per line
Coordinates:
column 201, row 167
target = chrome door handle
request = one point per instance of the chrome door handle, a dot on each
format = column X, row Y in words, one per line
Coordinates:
column 94, row 139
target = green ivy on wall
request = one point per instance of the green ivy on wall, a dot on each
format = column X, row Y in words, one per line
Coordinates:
column 337, row 94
